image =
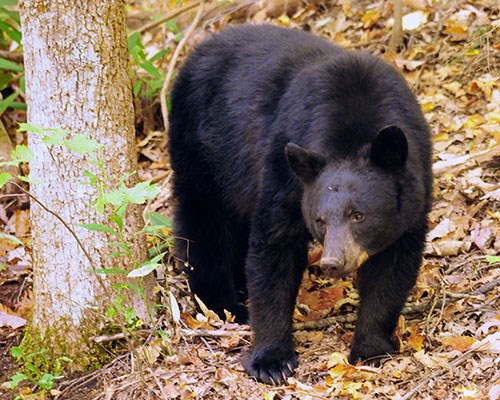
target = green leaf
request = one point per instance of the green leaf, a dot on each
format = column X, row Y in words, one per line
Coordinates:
column 150, row 69
column 24, row 127
column 17, row 379
column 111, row 312
column 47, row 381
column 159, row 55
column 130, row 315
column 11, row 31
column 56, row 137
column 16, row 352
column 21, row 154
column 12, row 238
column 492, row 259
column 115, row 254
column 172, row 26
column 121, row 245
column 157, row 219
column 8, row 3
column 128, row 285
column 164, row 335
column 110, row 271
column 5, row 79
column 143, row 271
column 10, row 65
column 7, row 102
column 141, row 192
column 81, row 144
column 133, row 41
column 116, row 197
column 98, row 228
column 137, row 88
column 93, row 180
column 5, row 177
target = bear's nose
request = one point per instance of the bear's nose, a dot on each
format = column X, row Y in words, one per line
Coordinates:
column 332, row 263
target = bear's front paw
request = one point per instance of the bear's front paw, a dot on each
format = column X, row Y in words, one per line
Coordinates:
column 271, row 364
column 371, row 350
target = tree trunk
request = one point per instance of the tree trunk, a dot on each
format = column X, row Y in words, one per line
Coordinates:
column 77, row 79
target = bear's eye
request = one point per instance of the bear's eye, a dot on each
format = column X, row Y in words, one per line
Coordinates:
column 357, row 216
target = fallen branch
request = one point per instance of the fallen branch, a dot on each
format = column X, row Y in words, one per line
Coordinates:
column 458, row 164
column 214, row 333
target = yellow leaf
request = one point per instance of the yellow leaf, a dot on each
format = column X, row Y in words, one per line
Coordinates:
column 460, row 343
column 336, row 358
column 416, row 338
column 370, row 18
column 456, row 31
column 284, row 19
column 441, row 137
column 472, row 53
column 428, row 106
column 474, row 120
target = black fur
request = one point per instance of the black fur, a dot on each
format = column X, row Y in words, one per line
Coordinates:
column 356, row 175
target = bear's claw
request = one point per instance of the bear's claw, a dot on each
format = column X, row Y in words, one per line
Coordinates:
column 271, row 364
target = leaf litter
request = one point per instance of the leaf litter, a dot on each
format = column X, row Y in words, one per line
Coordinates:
column 449, row 332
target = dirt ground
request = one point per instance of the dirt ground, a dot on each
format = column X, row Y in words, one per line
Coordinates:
column 449, row 331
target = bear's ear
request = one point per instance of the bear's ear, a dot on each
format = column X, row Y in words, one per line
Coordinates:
column 390, row 148
column 306, row 164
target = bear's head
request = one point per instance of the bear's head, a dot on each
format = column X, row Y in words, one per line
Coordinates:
column 353, row 205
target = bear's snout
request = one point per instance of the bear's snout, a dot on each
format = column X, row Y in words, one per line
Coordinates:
column 342, row 255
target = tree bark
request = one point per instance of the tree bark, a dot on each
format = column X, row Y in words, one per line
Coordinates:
column 77, row 79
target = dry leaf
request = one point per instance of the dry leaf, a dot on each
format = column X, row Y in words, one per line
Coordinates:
column 460, row 343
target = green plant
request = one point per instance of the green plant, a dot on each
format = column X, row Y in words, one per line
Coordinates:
column 43, row 376
column 146, row 76
column 11, row 72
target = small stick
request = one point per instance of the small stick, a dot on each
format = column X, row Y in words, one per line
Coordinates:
column 171, row 15
column 166, row 84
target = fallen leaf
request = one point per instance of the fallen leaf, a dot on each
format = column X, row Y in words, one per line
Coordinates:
column 460, row 343
column 416, row 338
column 11, row 320
column 370, row 17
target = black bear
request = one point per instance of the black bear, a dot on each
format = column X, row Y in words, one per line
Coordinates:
column 278, row 137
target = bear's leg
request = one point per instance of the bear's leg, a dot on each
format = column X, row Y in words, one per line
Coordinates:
column 384, row 282
column 212, row 247
column 276, row 260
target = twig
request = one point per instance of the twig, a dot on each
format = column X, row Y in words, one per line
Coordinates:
column 434, row 374
column 214, row 333
column 487, row 287
column 166, row 84
column 11, row 56
column 172, row 14
column 185, row 332
column 397, row 29
column 458, row 164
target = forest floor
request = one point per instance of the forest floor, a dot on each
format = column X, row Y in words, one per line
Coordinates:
column 449, row 332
